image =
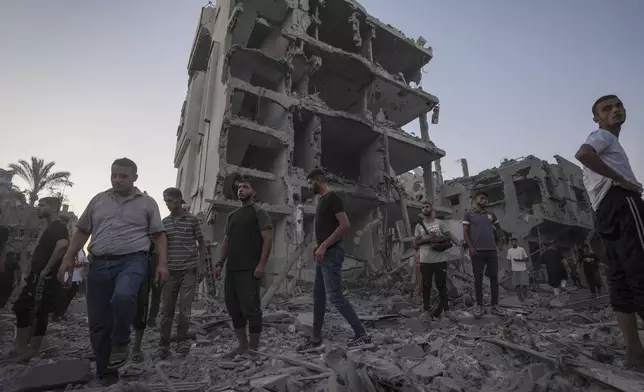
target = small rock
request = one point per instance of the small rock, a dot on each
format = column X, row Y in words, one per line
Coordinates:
column 446, row 384
column 436, row 345
column 411, row 351
column 428, row 369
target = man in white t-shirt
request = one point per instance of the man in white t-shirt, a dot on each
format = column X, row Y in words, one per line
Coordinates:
column 519, row 263
column 616, row 197
column 432, row 237
column 68, row 294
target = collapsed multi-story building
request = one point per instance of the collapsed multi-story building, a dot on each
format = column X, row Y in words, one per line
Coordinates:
column 279, row 88
column 535, row 201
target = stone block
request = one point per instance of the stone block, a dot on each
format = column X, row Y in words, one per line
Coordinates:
column 55, row 375
column 430, row 368
column 411, row 351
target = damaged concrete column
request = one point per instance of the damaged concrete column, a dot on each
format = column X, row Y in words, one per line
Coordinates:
column 428, row 180
column 313, row 144
column 373, row 165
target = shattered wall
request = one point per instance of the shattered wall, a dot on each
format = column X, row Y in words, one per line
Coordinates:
column 277, row 89
column 535, row 201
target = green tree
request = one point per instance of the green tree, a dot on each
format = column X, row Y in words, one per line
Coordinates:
column 39, row 176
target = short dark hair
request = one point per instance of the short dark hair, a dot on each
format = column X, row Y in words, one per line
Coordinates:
column 53, row 202
column 481, row 193
column 245, row 180
column 513, row 239
column 317, row 174
column 126, row 162
column 426, row 202
column 602, row 99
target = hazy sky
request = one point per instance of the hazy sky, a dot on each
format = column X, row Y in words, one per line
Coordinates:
column 84, row 82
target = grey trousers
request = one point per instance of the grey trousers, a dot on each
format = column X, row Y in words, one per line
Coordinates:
column 181, row 285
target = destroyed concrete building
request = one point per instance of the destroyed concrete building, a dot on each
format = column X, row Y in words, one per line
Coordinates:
column 535, row 201
column 279, row 88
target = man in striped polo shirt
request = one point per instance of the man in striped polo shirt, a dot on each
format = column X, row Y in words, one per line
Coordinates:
column 186, row 263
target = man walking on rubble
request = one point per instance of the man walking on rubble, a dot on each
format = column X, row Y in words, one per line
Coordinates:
column 483, row 235
column 590, row 265
column 616, row 197
column 331, row 222
column 186, row 262
column 518, row 259
column 120, row 221
column 244, row 251
column 433, row 238
column 555, row 268
column 40, row 291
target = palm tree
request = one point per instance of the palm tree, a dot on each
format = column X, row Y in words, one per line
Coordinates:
column 39, row 176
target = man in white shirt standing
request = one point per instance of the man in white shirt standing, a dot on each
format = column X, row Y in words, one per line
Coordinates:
column 433, row 238
column 616, row 197
column 68, row 294
column 519, row 263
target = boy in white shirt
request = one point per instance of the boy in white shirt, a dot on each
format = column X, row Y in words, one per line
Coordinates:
column 519, row 263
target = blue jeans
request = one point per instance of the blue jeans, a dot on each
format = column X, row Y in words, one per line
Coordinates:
column 112, row 292
column 328, row 281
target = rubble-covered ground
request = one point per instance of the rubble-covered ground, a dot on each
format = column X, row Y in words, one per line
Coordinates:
column 569, row 343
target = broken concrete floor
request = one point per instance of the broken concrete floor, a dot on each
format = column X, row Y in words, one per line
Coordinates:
column 529, row 348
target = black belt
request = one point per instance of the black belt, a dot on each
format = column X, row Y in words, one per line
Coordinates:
column 115, row 257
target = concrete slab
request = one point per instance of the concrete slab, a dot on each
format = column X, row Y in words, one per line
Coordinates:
column 55, row 375
column 430, row 368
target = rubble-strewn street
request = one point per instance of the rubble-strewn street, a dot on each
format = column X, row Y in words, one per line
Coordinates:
column 570, row 343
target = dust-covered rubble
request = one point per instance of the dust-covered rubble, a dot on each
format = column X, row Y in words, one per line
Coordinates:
column 528, row 348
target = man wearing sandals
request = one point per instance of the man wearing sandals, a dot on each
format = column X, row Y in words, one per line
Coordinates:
column 186, row 262
column 120, row 222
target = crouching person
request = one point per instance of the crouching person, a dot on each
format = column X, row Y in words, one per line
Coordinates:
column 244, row 252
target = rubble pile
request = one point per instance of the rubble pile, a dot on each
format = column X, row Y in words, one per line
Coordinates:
column 572, row 345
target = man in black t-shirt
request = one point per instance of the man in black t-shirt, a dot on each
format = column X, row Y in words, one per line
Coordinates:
column 245, row 251
column 41, row 288
column 331, row 223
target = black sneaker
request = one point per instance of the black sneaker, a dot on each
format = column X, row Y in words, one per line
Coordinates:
column 309, row 345
column 363, row 341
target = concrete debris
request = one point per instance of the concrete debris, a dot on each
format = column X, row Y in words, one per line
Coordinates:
column 529, row 348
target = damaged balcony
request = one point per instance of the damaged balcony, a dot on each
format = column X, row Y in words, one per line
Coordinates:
column 347, row 25
column 200, row 52
column 258, row 104
column 348, row 82
column 254, row 67
column 407, row 152
column 242, row 26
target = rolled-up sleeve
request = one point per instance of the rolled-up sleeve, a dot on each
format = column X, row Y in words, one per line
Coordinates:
column 154, row 218
column 85, row 222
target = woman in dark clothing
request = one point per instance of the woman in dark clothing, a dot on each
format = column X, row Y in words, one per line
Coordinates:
column 557, row 274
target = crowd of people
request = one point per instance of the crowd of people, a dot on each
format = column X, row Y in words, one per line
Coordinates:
column 139, row 263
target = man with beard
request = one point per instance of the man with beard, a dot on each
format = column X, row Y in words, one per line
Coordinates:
column 430, row 235
column 40, row 291
column 331, row 222
column 186, row 262
column 120, row 222
column 590, row 265
column 483, row 235
column 244, row 251
column 616, row 197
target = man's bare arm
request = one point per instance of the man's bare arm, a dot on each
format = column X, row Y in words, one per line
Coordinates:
column 343, row 226
column 161, row 248
column 57, row 254
column 223, row 253
column 202, row 251
column 267, row 243
column 588, row 157
column 79, row 239
column 466, row 236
